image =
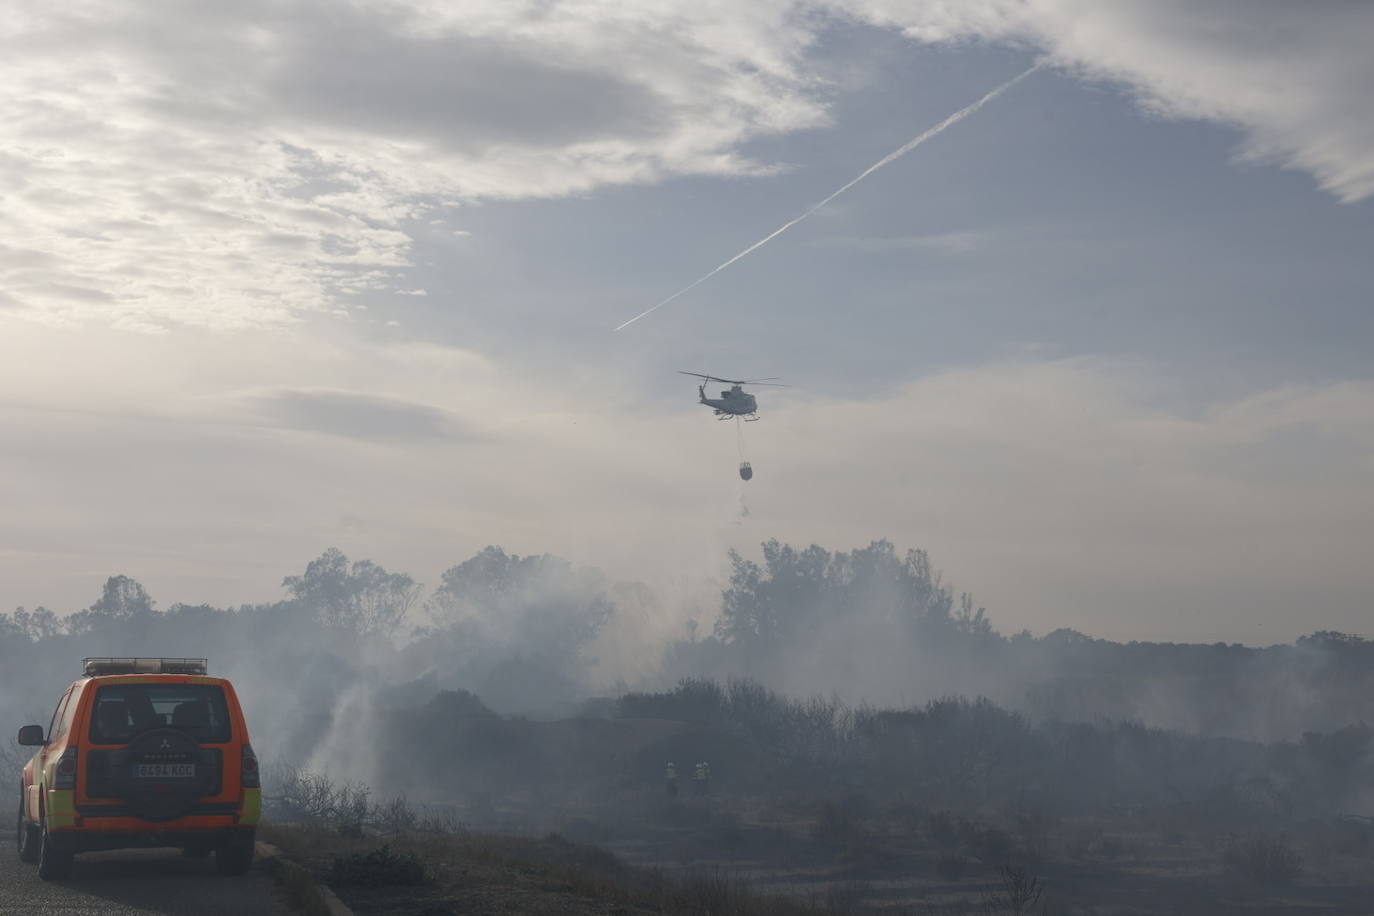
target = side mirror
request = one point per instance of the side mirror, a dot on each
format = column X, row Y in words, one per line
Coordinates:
column 32, row 736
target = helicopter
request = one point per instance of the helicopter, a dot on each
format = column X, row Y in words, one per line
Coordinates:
column 733, row 401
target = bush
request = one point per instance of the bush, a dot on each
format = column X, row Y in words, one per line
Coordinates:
column 586, row 830
column 905, row 816
column 296, row 794
column 381, row 866
column 1033, row 831
column 1263, row 858
column 944, row 830
column 989, row 845
column 841, row 820
column 951, row 866
column 300, row 795
column 1018, row 895
column 397, row 815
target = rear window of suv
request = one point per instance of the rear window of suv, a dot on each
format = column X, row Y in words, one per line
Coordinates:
column 124, row 711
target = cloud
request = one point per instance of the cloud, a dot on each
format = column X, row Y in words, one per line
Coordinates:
column 173, row 164
column 457, row 93
column 366, row 417
column 242, row 165
column 1293, row 77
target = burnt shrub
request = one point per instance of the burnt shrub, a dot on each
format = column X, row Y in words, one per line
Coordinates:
column 989, row 845
column 951, row 866
column 1033, row 832
column 380, row 866
column 586, row 830
column 837, row 821
column 944, row 829
column 1263, row 858
column 1018, row 895
column 903, row 816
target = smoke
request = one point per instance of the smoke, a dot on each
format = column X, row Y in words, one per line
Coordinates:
column 889, row 158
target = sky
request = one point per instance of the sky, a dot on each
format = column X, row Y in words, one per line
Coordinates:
column 279, row 276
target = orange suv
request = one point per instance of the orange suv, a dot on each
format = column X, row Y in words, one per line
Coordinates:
column 140, row 752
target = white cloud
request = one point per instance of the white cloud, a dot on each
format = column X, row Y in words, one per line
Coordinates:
column 236, row 165
column 1294, row 77
column 239, row 165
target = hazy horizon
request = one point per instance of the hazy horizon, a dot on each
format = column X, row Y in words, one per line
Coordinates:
column 273, row 281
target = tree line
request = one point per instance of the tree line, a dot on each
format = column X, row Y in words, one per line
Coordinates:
column 525, row 632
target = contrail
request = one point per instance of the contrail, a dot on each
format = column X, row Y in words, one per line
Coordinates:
column 894, row 155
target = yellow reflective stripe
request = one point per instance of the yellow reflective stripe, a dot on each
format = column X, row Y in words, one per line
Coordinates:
column 61, row 809
column 252, row 806
column 61, row 803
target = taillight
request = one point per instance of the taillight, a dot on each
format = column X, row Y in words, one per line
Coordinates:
column 251, row 778
column 64, row 773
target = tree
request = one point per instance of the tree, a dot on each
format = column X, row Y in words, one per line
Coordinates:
column 361, row 597
column 122, row 600
column 795, row 591
column 540, row 604
column 38, row 624
column 516, row 629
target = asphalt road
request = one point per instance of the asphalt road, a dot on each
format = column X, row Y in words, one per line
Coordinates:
column 135, row 881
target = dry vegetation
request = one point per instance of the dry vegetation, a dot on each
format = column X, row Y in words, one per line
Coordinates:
column 797, row 854
column 436, row 874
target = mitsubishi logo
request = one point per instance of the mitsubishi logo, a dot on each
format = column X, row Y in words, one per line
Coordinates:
column 165, row 745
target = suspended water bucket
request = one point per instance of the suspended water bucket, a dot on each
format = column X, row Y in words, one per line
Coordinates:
column 745, row 471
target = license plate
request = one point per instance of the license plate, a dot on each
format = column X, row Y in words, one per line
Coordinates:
column 159, row 770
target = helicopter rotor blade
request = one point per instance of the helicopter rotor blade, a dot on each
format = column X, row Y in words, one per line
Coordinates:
column 711, row 378
column 737, row 381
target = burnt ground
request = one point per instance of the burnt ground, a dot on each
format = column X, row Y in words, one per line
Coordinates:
column 640, row 852
column 472, row 873
column 897, row 858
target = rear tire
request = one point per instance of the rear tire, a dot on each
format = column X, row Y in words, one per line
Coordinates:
column 235, row 856
column 53, row 863
column 26, row 837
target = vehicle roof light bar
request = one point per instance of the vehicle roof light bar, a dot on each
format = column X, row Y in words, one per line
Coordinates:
column 94, row 667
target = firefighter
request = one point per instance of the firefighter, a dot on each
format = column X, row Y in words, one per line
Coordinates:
column 699, row 777
column 672, row 780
